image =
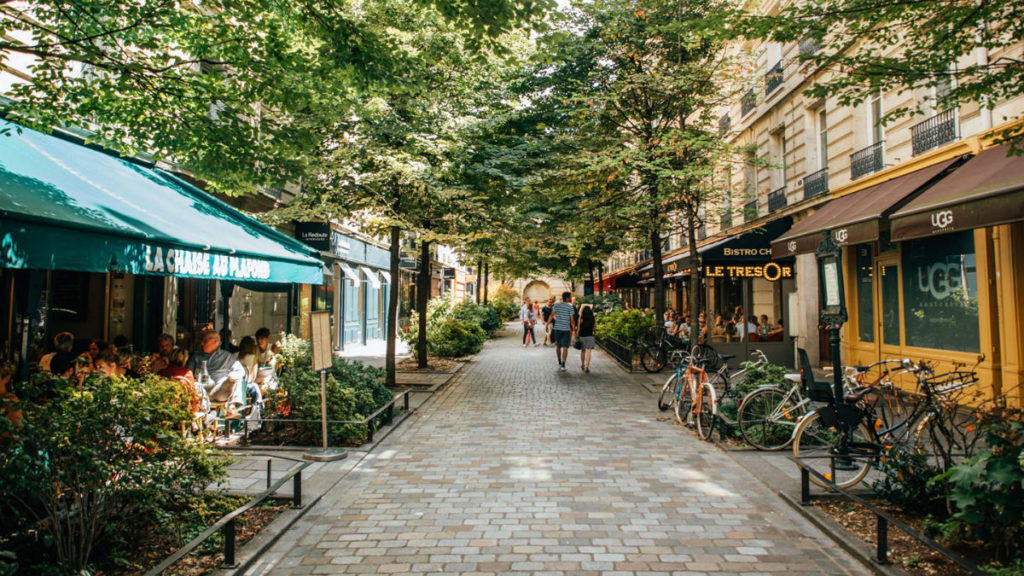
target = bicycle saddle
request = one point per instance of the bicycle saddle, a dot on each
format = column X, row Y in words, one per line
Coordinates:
column 860, row 368
column 728, row 356
column 855, row 397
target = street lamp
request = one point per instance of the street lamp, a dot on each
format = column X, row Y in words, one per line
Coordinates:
column 833, row 299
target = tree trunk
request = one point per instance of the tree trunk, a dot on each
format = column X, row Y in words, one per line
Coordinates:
column 600, row 278
column 487, row 277
column 590, row 271
column 392, row 320
column 659, row 268
column 691, row 232
column 422, row 298
column 479, row 278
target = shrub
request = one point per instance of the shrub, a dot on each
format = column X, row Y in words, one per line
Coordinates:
column 603, row 302
column 110, row 451
column 454, row 339
column 354, row 391
column 483, row 315
column 908, row 481
column 626, row 326
column 987, row 490
column 506, row 301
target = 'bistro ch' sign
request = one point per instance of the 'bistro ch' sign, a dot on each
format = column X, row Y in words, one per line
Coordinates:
column 178, row 262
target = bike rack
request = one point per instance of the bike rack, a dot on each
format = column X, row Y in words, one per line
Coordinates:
column 883, row 520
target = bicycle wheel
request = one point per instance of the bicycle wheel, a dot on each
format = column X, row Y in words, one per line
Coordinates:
column 668, row 393
column 824, row 450
column 684, row 405
column 767, row 418
column 653, row 358
column 937, row 444
column 704, row 412
column 885, row 403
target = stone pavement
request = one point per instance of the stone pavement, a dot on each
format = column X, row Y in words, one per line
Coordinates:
column 517, row 468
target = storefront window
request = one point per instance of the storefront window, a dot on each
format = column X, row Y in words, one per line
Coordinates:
column 865, row 294
column 940, row 293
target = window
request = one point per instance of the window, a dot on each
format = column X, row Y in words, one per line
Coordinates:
column 940, row 293
column 875, row 118
column 822, row 140
column 865, row 294
column 779, row 144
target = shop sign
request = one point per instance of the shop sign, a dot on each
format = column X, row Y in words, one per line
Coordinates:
column 942, row 220
column 671, row 267
column 841, row 235
column 770, row 271
column 314, row 234
column 746, row 252
column 178, row 262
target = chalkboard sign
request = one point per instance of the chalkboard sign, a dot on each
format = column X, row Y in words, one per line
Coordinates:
column 323, row 354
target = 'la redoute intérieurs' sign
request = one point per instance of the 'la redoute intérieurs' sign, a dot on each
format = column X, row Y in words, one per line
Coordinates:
column 194, row 263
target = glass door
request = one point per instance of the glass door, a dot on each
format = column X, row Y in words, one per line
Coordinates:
column 889, row 305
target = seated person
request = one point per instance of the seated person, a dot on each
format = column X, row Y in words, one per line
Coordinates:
column 127, row 364
column 62, row 342
column 267, row 355
column 8, row 401
column 249, row 359
column 161, row 359
column 226, row 372
column 121, row 343
column 776, row 333
column 106, row 363
column 175, row 368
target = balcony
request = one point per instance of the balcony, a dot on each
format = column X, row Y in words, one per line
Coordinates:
column 749, row 102
column 934, row 132
column 809, row 46
column 750, row 210
column 773, row 78
column 868, row 160
column 777, row 199
column 816, row 183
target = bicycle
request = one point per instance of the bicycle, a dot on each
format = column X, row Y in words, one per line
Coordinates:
column 657, row 348
column 843, row 439
column 691, row 395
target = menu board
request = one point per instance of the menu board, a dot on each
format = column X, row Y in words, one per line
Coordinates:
column 320, row 333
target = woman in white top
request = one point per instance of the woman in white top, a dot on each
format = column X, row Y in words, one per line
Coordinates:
column 528, row 316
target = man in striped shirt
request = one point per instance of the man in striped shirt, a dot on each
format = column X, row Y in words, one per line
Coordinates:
column 563, row 317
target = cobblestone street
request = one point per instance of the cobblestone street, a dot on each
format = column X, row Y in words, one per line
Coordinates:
column 517, row 468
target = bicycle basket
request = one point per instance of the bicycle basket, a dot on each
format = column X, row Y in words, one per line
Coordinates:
column 945, row 384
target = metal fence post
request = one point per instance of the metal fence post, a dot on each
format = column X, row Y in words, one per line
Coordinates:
column 405, row 400
column 882, row 555
column 229, row 544
column 297, row 490
column 390, row 414
column 269, row 464
column 805, row 487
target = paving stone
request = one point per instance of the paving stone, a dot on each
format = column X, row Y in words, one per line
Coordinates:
column 515, row 468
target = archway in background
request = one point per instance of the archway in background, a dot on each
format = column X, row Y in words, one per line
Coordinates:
column 537, row 290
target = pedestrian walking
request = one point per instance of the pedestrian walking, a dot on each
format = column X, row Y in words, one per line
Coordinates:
column 545, row 314
column 564, row 323
column 586, row 336
column 528, row 317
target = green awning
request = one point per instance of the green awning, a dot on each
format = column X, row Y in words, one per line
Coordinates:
column 64, row 206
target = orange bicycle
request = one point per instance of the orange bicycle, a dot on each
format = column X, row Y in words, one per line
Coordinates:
column 697, row 404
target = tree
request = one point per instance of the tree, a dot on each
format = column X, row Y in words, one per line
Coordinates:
column 238, row 91
column 661, row 71
column 962, row 50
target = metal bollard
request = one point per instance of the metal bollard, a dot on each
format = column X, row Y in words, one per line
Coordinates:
column 805, row 487
column 269, row 463
column 882, row 554
column 229, row 544
column 405, row 400
column 297, row 490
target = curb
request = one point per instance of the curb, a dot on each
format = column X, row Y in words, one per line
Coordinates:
column 846, row 540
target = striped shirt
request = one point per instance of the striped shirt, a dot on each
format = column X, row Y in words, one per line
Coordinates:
column 563, row 315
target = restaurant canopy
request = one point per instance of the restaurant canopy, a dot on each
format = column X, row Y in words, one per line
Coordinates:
column 750, row 246
column 986, row 191
column 856, row 217
column 64, row 206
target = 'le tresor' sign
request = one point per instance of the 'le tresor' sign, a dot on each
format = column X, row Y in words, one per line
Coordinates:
column 770, row 271
column 192, row 263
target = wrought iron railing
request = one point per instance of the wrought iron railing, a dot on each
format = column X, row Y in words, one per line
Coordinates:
column 816, row 183
column 749, row 102
column 868, row 160
column 773, row 78
column 777, row 199
column 934, row 132
column 750, row 210
column 809, row 46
